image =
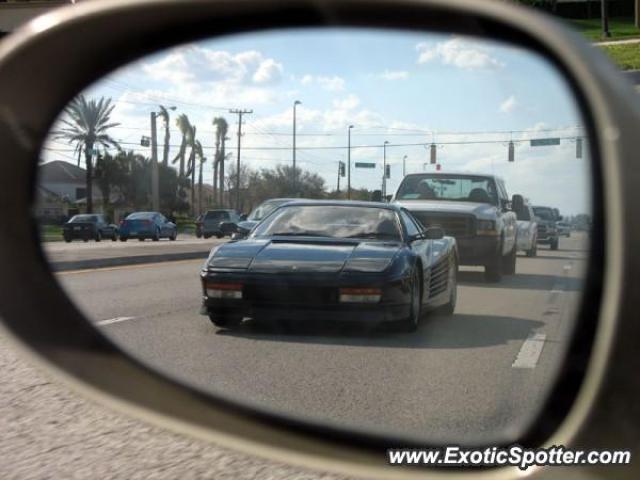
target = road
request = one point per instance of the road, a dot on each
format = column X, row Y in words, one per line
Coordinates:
column 477, row 375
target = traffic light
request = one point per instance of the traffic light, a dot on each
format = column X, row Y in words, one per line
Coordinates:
column 341, row 169
column 433, row 153
column 387, row 172
column 511, row 152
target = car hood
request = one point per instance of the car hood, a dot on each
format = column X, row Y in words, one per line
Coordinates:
column 479, row 210
column 301, row 255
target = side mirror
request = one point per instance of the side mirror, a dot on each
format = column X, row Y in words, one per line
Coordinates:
column 227, row 228
column 243, row 217
column 517, row 203
column 388, row 198
column 433, row 233
column 376, row 196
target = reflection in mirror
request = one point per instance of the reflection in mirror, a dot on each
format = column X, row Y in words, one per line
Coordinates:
column 316, row 303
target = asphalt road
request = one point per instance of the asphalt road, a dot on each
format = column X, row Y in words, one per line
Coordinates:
column 480, row 374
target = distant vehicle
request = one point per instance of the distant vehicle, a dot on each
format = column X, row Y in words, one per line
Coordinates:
column 242, row 228
column 564, row 229
column 547, row 228
column 473, row 208
column 527, row 238
column 210, row 223
column 143, row 225
column 338, row 260
column 90, row 226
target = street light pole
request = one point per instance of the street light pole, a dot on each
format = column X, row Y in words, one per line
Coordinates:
column 605, row 18
column 293, row 174
column 404, row 166
column 384, row 169
column 349, row 162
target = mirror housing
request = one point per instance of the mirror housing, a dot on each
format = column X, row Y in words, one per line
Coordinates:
column 433, row 233
column 228, row 228
column 376, row 196
column 517, row 203
column 243, row 217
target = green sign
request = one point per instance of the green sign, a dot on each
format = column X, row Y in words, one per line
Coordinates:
column 544, row 142
column 365, row 165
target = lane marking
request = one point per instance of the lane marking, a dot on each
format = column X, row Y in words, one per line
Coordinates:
column 111, row 321
column 128, row 267
column 530, row 351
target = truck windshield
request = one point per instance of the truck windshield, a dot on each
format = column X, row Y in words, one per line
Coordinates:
column 461, row 188
column 544, row 213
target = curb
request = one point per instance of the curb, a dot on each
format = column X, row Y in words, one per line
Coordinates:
column 98, row 263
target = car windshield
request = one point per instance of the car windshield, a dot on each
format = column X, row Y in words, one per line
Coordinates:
column 543, row 213
column 461, row 188
column 141, row 216
column 332, row 221
column 84, row 218
column 264, row 209
column 217, row 215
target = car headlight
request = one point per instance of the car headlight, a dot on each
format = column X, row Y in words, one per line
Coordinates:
column 486, row 227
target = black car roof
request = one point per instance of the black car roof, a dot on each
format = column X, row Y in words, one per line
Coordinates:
column 344, row 203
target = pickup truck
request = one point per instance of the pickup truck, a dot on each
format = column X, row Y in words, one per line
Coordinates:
column 547, row 218
column 473, row 208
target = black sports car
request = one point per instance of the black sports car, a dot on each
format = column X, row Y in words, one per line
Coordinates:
column 89, row 226
column 333, row 260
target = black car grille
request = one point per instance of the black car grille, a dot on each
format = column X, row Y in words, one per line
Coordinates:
column 439, row 279
column 454, row 225
column 290, row 295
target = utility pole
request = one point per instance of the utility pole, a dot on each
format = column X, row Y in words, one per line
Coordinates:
column 293, row 174
column 155, row 177
column 605, row 18
column 637, row 13
column 384, row 168
column 404, row 166
column 349, row 162
column 240, row 113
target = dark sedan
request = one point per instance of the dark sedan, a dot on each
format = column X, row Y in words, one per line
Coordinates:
column 89, row 227
column 332, row 260
column 143, row 225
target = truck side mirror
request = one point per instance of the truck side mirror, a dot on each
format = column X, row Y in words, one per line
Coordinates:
column 227, row 228
column 376, row 196
column 517, row 203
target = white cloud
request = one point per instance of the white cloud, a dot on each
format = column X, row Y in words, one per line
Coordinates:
column 394, row 75
column 173, row 68
column 508, row 105
column 348, row 103
column 331, row 84
column 458, row 53
column 268, row 71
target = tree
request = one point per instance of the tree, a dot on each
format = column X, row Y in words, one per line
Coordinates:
column 222, row 128
column 164, row 113
column 278, row 180
column 184, row 125
column 111, row 174
column 86, row 124
column 202, row 159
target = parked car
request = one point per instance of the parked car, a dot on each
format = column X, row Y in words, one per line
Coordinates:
column 89, row 226
column 475, row 209
column 547, row 228
column 211, row 222
column 241, row 229
column 143, row 225
column 564, row 229
column 527, row 238
column 348, row 261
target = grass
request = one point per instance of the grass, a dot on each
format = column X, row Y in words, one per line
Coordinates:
column 620, row 27
column 627, row 57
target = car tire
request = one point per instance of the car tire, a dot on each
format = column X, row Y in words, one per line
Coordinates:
column 98, row 236
column 449, row 308
column 141, row 239
column 67, row 239
column 410, row 324
column 114, row 237
column 156, row 236
column 173, row 236
column 225, row 321
column 206, row 236
column 509, row 263
column 219, row 235
column 124, row 239
column 493, row 269
column 533, row 251
column 198, row 234
column 554, row 244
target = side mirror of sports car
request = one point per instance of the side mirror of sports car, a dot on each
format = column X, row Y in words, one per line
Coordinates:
column 433, row 233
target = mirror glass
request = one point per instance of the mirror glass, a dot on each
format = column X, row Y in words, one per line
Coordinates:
column 316, row 304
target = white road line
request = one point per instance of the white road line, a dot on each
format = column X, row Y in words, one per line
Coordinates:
column 109, row 321
column 530, row 351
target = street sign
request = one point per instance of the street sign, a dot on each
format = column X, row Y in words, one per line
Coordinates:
column 544, row 142
column 365, row 165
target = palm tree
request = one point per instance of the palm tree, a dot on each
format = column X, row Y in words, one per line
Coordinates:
column 200, row 154
column 222, row 127
column 184, row 125
column 164, row 113
column 191, row 165
column 86, row 125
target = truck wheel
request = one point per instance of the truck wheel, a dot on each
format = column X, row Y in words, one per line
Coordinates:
column 225, row 321
column 198, row 234
column 509, row 263
column 493, row 269
column 114, row 237
column 98, row 236
column 156, row 236
column 554, row 243
column 219, row 235
column 124, row 239
column 67, row 239
column 533, row 251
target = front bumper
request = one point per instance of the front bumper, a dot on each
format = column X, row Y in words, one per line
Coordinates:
column 296, row 298
column 477, row 250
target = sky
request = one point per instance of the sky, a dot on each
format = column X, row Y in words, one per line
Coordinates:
column 468, row 96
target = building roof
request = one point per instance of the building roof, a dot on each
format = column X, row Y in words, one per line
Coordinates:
column 59, row 171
